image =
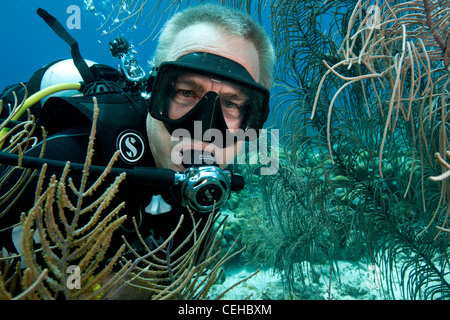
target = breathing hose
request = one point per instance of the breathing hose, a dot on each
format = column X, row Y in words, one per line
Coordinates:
column 31, row 100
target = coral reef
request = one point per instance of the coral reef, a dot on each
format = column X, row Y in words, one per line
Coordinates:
column 364, row 111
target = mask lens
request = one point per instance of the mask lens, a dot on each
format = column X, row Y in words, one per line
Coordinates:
column 177, row 92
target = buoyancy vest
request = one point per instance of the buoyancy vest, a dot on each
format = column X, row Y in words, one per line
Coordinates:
column 121, row 125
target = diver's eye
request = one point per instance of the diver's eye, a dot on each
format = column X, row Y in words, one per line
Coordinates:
column 231, row 110
column 186, row 98
column 231, row 105
column 186, row 93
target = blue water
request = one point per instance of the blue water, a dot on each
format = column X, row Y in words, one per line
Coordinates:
column 27, row 43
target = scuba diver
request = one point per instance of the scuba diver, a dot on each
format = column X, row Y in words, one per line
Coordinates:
column 177, row 129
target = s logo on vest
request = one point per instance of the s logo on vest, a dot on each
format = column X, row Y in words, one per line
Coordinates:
column 131, row 146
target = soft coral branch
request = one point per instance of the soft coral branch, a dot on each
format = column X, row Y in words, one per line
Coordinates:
column 436, row 37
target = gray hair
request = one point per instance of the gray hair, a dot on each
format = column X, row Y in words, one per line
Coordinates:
column 230, row 20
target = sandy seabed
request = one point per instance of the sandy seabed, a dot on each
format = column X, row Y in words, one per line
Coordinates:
column 349, row 281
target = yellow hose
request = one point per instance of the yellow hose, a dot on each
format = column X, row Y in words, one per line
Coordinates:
column 31, row 100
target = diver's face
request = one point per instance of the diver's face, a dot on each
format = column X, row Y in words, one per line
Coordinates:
column 202, row 38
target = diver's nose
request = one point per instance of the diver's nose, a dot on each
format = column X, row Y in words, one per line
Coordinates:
column 211, row 114
column 216, row 86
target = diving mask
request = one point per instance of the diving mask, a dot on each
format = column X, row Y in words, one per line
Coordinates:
column 209, row 88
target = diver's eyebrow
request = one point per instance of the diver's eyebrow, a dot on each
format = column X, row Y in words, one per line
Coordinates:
column 235, row 96
column 192, row 83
